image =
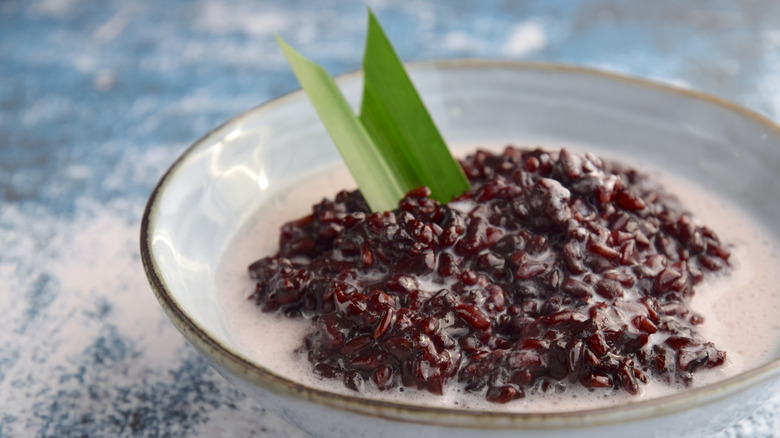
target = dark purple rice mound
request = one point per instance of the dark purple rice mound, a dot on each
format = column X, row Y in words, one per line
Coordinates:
column 554, row 269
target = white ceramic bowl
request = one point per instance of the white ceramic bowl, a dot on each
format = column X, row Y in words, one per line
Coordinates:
column 224, row 177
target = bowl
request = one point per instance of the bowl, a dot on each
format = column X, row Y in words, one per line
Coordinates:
column 227, row 176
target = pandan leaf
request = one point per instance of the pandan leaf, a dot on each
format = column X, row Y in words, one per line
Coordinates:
column 377, row 181
column 394, row 146
column 395, row 116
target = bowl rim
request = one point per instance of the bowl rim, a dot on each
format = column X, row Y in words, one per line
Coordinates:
column 257, row 375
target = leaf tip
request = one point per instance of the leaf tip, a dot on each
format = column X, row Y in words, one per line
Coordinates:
column 280, row 40
column 371, row 15
column 292, row 55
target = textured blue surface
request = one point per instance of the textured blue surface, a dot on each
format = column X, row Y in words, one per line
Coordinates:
column 97, row 98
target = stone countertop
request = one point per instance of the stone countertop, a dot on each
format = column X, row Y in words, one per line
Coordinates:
column 97, row 98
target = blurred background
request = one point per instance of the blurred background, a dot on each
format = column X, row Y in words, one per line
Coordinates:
column 97, row 98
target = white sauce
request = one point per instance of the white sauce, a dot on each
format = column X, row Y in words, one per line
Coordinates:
column 740, row 309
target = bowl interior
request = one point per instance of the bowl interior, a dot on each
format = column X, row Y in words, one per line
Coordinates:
column 229, row 174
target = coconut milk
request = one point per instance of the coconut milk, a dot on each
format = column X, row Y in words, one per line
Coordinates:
column 740, row 308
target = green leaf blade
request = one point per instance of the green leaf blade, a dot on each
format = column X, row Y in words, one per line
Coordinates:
column 396, row 118
column 393, row 146
column 379, row 184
